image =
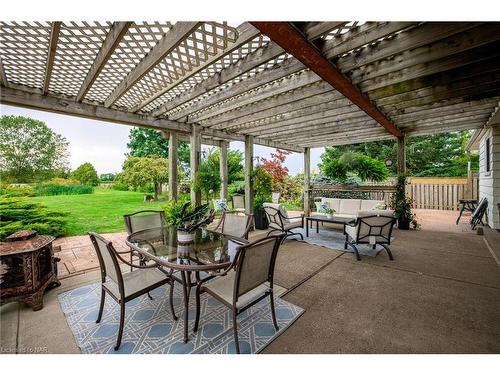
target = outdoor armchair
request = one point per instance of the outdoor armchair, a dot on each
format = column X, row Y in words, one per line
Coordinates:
column 279, row 221
column 248, row 281
column 373, row 227
column 126, row 287
column 142, row 220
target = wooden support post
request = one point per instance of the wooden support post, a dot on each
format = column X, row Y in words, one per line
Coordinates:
column 401, row 166
column 223, row 169
column 307, row 180
column 248, row 174
column 172, row 166
column 195, row 143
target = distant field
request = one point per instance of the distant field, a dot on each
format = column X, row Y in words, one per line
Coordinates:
column 101, row 212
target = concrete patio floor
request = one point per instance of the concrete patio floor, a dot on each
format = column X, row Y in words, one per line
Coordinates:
column 440, row 295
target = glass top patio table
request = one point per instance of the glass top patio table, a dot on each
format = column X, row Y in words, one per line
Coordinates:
column 201, row 250
column 189, row 253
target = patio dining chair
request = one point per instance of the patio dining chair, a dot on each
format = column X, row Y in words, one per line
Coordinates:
column 141, row 220
column 126, row 287
column 238, row 201
column 279, row 221
column 248, row 281
column 235, row 224
column 370, row 227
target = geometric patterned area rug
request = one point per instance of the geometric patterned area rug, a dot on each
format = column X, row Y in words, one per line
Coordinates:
column 149, row 327
column 334, row 239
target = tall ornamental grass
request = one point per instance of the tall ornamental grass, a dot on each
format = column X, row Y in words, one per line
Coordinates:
column 55, row 189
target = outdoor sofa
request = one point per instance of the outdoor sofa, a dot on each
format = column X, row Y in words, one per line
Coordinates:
column 349, row 208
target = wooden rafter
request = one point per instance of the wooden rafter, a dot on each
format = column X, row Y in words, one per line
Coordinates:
column 295, row 43
column 316, row 29
column 3, row 76
column 369, row 35
column 51, row 54
column 252, row 60
column 115, row 35
column 246, row 33
column 171, row 40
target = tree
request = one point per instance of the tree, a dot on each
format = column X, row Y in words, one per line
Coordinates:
column 208, row 178
column 30, row 150
column 339, row 167
column 139, row 172
column 427, row 155
column 275, row 166
column 107, row 177
column 149, row 142
column 86, row 174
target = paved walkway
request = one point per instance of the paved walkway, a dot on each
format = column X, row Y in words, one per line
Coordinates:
column 78, row 255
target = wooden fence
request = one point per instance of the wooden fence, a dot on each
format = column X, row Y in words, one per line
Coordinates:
column 441, row 193
column 438, row 193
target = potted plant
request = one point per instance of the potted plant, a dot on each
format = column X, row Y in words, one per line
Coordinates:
column 323, row 207
column 401, row 204
column 259, row 213
column 187, row 218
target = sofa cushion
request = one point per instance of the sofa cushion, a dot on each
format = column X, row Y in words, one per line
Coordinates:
column 349, row 206
column 333, row 203
column 367, row 204
column 345, row 216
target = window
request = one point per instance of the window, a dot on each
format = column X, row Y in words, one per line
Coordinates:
column 488, row 154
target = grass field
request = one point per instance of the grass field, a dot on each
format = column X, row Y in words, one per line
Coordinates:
column 101, row 212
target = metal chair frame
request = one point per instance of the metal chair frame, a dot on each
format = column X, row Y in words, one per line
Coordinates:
column 280, row 222
column 479, row 212
column 237, row 263
column 128, row 224
column 122, row 300
column 374, row 230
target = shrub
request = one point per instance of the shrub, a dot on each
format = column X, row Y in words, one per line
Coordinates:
column 237, row 187
column 53, row 189
column 64, row 181
column 86, row 174
column 20, row 213
column 122, row 186
column 18, row 191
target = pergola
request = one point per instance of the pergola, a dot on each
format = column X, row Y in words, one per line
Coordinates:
column 294, row 86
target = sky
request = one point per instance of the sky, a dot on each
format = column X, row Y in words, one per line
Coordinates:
column 104, row 144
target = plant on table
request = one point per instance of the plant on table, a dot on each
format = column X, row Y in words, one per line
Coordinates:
column 186, row 217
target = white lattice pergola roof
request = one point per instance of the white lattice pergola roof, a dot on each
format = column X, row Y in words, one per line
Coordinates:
column 233, row 81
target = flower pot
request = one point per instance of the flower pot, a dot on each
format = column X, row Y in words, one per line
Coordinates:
column 183, row 236
column 329, row 216
column 260, row 220
column 403, row 223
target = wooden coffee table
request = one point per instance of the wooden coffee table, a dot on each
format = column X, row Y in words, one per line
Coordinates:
column 323, row 219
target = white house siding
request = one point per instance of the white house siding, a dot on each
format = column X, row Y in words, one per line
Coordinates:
column 489, row 182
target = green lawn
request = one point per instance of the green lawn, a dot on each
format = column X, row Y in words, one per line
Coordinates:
column 101, row 212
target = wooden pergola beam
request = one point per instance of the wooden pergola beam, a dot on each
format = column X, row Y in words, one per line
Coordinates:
column 246, row 33
column 113, row 38
column 171, row 40
column 51, row 54
column 68, row 106
column 292, row 41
